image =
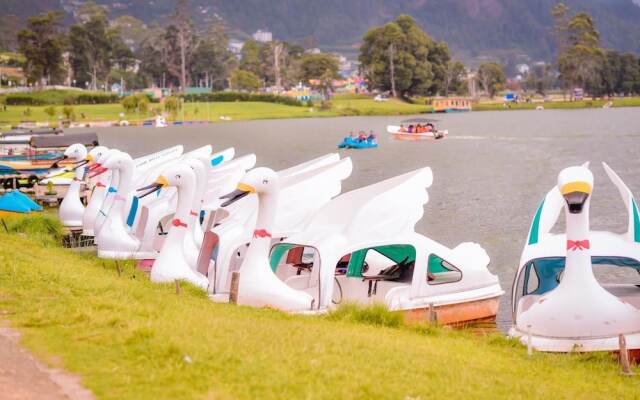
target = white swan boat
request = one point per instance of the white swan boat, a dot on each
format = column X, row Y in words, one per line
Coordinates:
column 153, row 215
column 303, row 189
column 141, row 230
column 142, row 166
column 71, row 209
column 558, row 304
column 362, row 247
column 99, row 187
column 172, row 263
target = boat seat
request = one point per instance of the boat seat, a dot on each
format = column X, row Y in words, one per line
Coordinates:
column 401, row 272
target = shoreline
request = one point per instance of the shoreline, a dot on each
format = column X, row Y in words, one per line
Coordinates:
column 214, row 112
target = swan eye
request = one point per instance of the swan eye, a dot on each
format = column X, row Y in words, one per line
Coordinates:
column 265, row 181
column 178, row 176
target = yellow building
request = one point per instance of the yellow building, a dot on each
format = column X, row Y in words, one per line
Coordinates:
column 450, row 104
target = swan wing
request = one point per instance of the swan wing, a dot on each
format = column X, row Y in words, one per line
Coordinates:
column 302, row 194
column 633, row 224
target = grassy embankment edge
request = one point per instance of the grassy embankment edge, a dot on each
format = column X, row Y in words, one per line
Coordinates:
column 130, row 339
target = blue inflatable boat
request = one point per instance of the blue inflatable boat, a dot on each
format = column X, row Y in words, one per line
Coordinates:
column 351, row 143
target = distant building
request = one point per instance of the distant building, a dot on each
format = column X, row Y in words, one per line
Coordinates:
column 235, row 46
column 263, row 36
column 522, row 69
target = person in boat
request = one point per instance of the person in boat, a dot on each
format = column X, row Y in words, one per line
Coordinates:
column 410, row 129
column 419, row 128
column 429, row 127
column 362, row 136
column 402, row 128
column 371, row 138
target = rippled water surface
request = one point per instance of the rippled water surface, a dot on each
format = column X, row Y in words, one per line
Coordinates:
column 489, row 175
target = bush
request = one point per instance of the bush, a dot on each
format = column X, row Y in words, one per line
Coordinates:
column 23, row 100
column 69, row 113
column 129, row 103
column 67, row 97
column 172, row 104
column 136, row 102
column 237, row 96
column 50, row 111
column 325, row 105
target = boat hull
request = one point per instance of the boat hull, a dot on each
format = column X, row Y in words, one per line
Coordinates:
column 581, row 345
column 482, row 310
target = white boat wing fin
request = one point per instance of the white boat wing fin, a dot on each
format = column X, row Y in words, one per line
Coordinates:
column 633, row 225
column 301, row 195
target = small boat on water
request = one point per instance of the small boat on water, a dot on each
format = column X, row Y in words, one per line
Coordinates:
column 353, row 143
column 425, row 126
column 558, row 303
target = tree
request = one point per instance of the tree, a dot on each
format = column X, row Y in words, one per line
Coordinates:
column 560, row 31
column 456, row 78
column 133, row 31
column 539, row 78
column 244, row 80
column 90, row 48
column 620, row 73
column 491, row 77
column 417, row 61
column 212, row 61
column 580, row 64
column 322, row 68
column 250, row 57
column 42, row 45
column 181, row 41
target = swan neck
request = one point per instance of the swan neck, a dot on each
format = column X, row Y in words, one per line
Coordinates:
column 578, row 268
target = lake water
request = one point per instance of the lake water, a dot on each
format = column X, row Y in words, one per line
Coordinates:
column 489, row 175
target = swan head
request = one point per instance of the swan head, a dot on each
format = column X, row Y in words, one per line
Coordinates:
column 95, row 154
column 99, row 160
column 116, row 161
column 575, row 185
column 198, row 167
column 76, row 152
column 176, row 175
column 259, row 180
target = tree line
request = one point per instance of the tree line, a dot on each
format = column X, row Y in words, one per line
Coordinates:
column 178, row 55
column 399, row 58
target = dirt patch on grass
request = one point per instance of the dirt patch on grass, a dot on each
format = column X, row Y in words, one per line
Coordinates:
column 23, row 377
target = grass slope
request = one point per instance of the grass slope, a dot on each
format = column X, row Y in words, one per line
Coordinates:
column 213, row 111
column 130, row 339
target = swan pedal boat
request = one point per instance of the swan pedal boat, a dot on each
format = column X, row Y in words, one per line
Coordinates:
column 304, row 188
column 557, row 303
column 397, row 134
column 371, row 254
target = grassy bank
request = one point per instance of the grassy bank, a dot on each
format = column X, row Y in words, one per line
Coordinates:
column 348, row 105
column 340, row 105
column 130, row 339
column 558, row 104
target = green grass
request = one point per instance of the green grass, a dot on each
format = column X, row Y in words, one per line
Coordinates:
column 341, row 105
column 559, row 104
column 130, row 339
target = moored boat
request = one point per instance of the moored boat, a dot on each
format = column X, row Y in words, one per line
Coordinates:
column 558, row 303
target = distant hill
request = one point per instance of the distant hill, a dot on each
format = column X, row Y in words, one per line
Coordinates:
column 473, row 28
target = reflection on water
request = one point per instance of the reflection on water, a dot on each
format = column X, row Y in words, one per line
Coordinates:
column 489, row 175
